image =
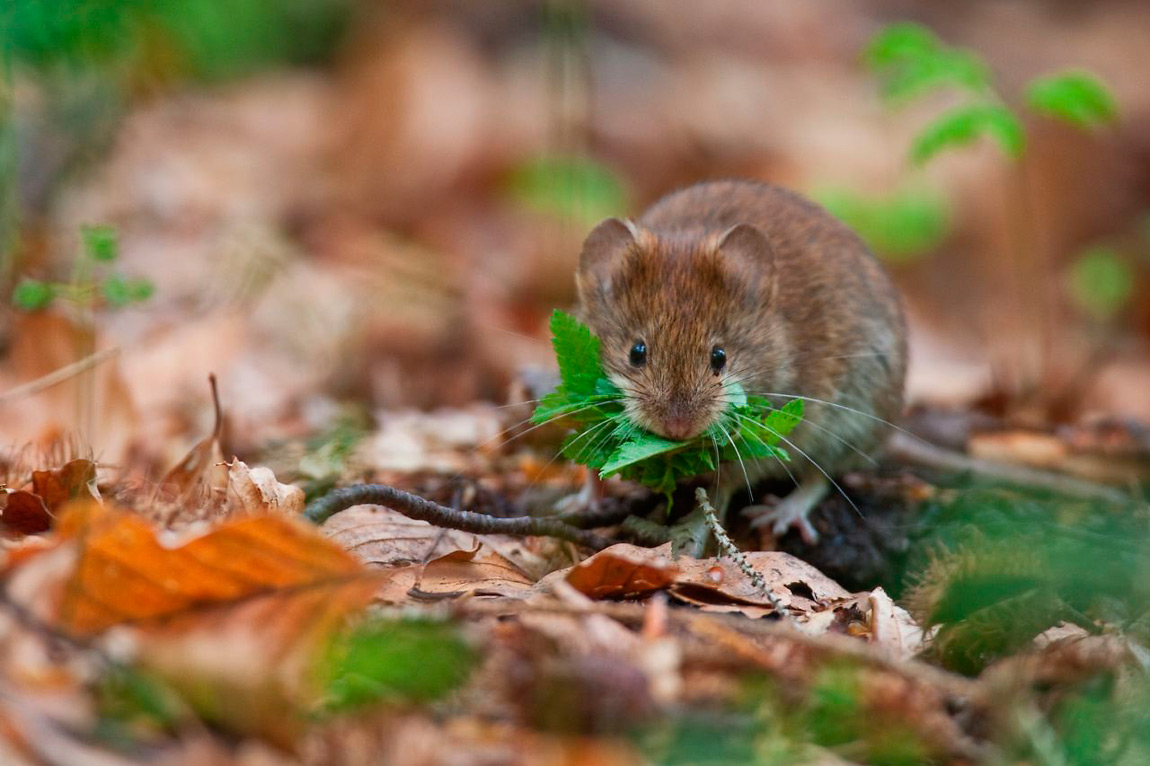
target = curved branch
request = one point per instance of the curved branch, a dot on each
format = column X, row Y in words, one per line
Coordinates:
column 416, row 507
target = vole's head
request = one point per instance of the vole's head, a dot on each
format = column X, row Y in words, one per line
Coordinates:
column 682, row 318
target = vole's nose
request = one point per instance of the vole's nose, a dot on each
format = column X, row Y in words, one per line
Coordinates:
column 678, row 427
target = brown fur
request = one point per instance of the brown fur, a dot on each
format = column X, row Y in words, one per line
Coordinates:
column 795, row 299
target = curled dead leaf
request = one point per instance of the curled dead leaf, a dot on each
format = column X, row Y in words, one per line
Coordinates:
column 23, row 513
column 256, row 491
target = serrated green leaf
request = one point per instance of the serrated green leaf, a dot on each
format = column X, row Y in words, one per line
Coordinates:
column 577, row 352
column 606, row 440
column 644, row 446
column 33, row 295
column 964, row 125
column 1078, row 98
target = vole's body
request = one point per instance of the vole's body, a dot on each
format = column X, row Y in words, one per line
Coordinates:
column 741, row 282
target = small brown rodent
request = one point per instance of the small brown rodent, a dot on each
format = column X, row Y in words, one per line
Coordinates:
column 743, row 282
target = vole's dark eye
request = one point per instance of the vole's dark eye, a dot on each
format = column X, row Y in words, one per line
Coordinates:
column 718, row 360
column 639, row 354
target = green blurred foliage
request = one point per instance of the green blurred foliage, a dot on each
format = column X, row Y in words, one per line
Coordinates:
column 91, row 275
column 994, row 567
column 33, row 295
column 900, row 227
column 964, row 125
column 911, row 62
column 1101, row 282
column 206, row 40
column 131, row 703
column 1076, row 97
column 396, row 660
column 569, row 188
column 100, row 243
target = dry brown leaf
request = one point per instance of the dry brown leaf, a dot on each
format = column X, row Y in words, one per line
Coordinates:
column 714, row 585
column 382, row 537
column 74, row 480
column 427, row 562
column 256, row 491
column 23, row 513
column 200, row 479
column 479, row 573
column 623, row 571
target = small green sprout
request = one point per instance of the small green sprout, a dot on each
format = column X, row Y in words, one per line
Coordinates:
column 100, row 249
column 911, row 62
column 607, row 440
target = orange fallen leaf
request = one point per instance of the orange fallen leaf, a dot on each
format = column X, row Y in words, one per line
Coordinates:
column 233, row 618
column 623, row 571
column 713, row 585
column 125, row 574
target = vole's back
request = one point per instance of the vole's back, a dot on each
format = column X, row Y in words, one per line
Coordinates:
column 841, row 313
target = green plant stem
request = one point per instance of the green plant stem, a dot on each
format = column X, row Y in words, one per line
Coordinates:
column 416, row 507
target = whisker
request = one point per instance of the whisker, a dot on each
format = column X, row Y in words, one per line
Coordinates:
column 841, row 407
column 834, row 483
column 739, row 456
column 763, row 442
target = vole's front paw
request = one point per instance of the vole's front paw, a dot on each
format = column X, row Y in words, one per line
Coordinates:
column 786, row 514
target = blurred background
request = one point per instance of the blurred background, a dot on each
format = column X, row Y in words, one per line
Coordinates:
column 344, row 205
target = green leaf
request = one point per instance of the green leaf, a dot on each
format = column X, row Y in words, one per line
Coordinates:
column 116, row 292
column 417, row 660
column 965, row 124
column 911, row 61
column 577, row 352
column 605, row 439
column 569, row 187
column 644, row 446
column 140, row 290
column 900, row 228
column 1078, row 98
column 1101, row 282
column 33, row 295
column 100, row 243
column 900, row 41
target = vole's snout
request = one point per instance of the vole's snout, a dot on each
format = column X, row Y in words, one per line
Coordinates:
column 679, row 427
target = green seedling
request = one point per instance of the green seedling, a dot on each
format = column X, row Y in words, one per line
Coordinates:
column 606, row 439
column 93, row 282
column 911, row 63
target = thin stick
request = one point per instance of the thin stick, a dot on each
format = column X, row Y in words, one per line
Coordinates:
column 416, row 507
column 731, row 550
column 59, row 376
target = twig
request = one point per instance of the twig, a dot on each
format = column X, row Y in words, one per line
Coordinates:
column 416, row 507
column 59, row 376
column 916, row 451
column 730, row 549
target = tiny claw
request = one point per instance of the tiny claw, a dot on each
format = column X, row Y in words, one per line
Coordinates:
column 783, row 517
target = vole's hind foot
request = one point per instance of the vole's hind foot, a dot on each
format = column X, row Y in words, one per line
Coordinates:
column 793, row 511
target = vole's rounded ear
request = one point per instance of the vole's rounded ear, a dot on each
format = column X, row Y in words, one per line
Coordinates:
column 609, row 240
column 748, row 249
